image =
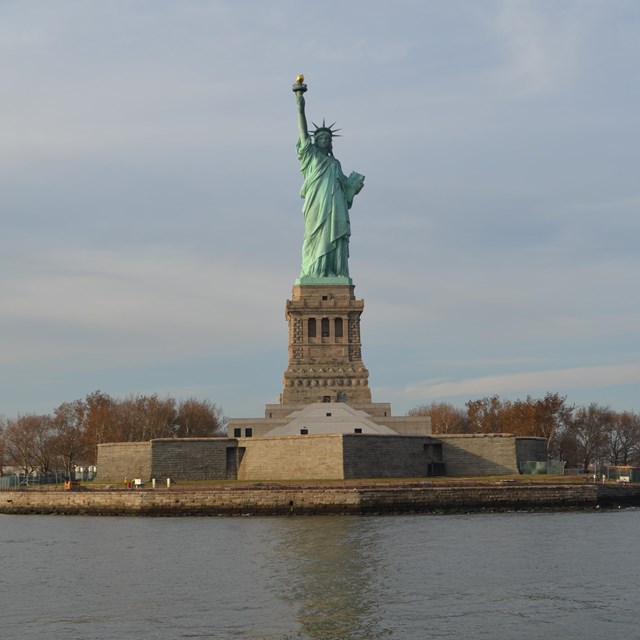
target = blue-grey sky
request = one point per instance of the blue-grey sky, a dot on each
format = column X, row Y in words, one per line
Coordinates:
column 149, row 195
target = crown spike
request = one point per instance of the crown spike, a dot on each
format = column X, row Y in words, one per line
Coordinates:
column 329, row 129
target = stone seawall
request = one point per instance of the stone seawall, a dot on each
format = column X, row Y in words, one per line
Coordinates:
column 318, row 500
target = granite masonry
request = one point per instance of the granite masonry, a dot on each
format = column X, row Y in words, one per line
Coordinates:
column 293, row 500
column 336, row 456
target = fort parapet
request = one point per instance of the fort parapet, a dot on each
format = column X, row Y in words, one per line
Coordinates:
column 315, row 457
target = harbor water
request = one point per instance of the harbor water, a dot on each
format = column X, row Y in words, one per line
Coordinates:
column 483, row 576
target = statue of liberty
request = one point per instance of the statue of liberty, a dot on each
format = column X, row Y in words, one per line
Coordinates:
column 328, row 195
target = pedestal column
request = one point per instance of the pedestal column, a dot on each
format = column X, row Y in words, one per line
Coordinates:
column 325, row 349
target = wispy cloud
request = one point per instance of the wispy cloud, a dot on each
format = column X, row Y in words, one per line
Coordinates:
column 527, row 382
column 121, row 305
column 541, row 46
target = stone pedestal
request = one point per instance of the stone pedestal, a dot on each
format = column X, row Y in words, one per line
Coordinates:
column 325, row 349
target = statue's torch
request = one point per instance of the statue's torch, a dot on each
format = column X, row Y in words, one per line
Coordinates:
column 299, row 85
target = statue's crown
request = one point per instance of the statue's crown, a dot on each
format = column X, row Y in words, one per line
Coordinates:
column 325, row 129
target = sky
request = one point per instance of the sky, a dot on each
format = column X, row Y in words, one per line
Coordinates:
column 151, row 221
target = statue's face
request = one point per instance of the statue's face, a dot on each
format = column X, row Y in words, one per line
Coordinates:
column 323, row 141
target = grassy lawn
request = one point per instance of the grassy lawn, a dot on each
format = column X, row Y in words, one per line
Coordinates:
column 502, row 480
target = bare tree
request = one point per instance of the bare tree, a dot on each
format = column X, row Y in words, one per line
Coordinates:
column 587, row 432
column 146, row 417
column 69, row 440
column 445, row 417
column 29, row 443
column 623, row 438
column 552, row 416
column 199, row 418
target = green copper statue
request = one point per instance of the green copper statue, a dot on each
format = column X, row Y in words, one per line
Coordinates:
column 328, row 195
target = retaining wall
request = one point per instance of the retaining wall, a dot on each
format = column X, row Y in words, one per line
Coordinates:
column 319, row 500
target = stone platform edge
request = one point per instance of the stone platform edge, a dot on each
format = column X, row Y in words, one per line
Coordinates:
column 319, row 500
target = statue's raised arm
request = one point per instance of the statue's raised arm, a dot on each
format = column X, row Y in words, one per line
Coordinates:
column 299, row 88
column 328, row 195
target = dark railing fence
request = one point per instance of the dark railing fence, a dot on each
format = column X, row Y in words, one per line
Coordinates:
column 15, row 481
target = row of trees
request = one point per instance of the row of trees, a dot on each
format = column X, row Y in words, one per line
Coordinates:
column 69, row 436
column 581, row 436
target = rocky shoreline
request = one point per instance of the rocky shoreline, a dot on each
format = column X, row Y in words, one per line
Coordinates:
column 386, row 498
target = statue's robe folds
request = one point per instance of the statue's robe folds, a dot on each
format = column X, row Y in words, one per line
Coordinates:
column 327, row 199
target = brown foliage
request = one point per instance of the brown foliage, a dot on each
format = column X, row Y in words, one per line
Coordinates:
column 580, row 436
column 70, row 437
column 488, row 415
column 542, row 418
column 145, row 417
column 101, row 419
